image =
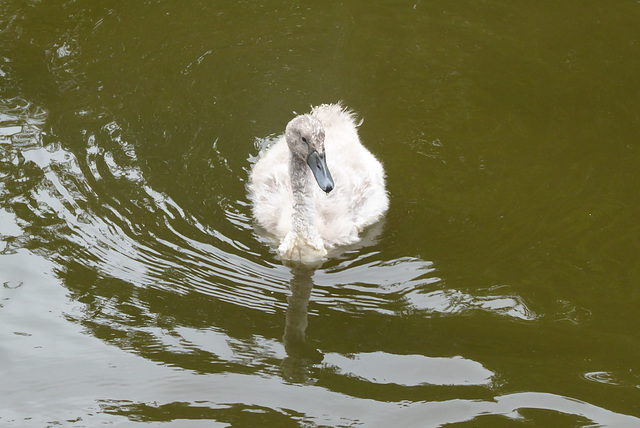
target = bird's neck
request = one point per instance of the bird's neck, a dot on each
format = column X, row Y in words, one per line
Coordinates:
column 303, row 241
column 303, row 219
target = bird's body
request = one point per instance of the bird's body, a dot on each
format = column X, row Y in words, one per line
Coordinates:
column 307, row 216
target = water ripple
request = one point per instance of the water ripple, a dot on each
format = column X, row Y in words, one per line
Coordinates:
column 115, row 223
column 169, row 251
column 318, row 406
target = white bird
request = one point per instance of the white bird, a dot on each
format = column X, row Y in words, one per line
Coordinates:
column 310, row 217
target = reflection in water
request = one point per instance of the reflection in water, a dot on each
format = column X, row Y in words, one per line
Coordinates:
column 411, row 370
column 318, row 406
column 125, row 296
column 126, row 254
column 377, row 367
column 143, row 237
column 409, row 285
column 300, row 354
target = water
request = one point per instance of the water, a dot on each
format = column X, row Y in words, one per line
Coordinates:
column 500, row 290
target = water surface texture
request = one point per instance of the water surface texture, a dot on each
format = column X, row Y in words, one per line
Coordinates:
column 501, row 289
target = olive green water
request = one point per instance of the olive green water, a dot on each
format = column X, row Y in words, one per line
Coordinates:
column 502, row 288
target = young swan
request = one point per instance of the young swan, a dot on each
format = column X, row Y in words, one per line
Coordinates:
column 317, row 187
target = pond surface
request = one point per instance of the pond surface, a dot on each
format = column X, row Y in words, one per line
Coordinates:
column 501, row 289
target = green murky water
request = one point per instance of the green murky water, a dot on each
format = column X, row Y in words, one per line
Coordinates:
column 501, row 290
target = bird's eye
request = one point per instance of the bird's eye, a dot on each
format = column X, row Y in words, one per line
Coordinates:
column 305, row 140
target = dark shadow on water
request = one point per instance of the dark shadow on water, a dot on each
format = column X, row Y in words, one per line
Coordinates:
column 300, row 355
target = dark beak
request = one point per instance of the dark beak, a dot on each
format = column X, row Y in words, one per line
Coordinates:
column 318, row 165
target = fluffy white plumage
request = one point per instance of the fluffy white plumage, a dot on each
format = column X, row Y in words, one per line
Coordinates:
column 290, row 204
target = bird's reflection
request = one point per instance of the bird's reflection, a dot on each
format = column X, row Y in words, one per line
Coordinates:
column 300, row 355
